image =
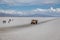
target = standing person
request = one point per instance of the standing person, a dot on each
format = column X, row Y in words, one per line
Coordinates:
column 9, row 21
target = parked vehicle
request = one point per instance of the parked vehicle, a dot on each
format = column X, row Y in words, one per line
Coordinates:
column 34, row 21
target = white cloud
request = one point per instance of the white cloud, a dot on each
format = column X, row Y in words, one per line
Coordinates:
column 52, row 12
column 10, row 12
column 16, row 2
column 47, row 10
column 58, row 9
column 41, row 10
column 28, row 2
column 50, row 1
column 16, row 12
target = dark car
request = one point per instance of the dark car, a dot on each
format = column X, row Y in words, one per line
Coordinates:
column 34, row 21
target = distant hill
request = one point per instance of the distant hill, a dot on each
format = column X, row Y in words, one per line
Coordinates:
column 8, row 15
column 19, row 15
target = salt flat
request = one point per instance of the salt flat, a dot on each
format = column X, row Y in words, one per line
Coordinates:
column 20, row 20
column 21, row 29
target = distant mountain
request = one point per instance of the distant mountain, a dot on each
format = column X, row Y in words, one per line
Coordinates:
column 19, row 15
column 8, row 15
column 4, row 15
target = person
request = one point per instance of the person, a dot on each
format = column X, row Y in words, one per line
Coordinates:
column 4, row 21
column 9, row 20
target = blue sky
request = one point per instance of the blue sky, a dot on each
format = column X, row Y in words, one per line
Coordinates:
column 27, row 6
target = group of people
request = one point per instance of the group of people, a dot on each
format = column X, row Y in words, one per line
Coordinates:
column 4, row 21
